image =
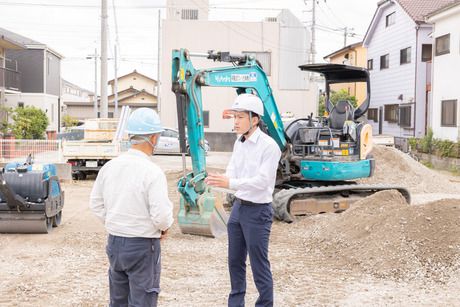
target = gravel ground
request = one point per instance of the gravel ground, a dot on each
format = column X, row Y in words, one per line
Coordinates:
column 380, row 252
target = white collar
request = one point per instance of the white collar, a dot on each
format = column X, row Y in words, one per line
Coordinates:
column 254, row 136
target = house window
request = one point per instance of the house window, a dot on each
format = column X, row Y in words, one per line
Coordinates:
column 370, row 64
column 405, row 116
column 48, row 65
column 391, row 113
column 189, row 14
column 390, row 19
column 265, row 59
column 427, row 52
column 385, row 61
column 110, row 114
column 449, row 113
column 405, row 55
column 443, row 44
column 206, row 119
column 373, row 114
column 20, row 104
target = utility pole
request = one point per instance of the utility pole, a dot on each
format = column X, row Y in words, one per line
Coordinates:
column 345, row 34
column 94, row 56
column 313, row 28
column 115, row 85
column 104, row 101
column 115, row 80
column 158, row 65
column 313, row 34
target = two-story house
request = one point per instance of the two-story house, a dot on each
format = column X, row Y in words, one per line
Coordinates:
column 39, row 68
column 10, row 80
column 399, row 53
column 135, row 90
column 354, row 55
column 445, row 111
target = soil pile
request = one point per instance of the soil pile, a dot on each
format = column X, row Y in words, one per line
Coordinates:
column 384, row 236
column 397, row 168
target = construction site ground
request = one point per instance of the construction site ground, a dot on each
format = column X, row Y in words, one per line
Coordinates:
column 380, row 252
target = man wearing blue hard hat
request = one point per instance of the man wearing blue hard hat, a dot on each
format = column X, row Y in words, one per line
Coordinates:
column 130, row 196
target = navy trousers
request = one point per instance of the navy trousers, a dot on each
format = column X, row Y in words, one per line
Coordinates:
column 249, row 229
column 134, row 273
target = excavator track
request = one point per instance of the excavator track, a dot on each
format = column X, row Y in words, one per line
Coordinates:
column 315, row 200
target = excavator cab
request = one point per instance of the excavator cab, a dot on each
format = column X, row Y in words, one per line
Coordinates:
column 336, row 147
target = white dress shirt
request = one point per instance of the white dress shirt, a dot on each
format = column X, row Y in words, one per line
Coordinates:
column 252, row 167
column 130, row 195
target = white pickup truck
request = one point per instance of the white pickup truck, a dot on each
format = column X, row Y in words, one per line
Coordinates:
column 88, row 155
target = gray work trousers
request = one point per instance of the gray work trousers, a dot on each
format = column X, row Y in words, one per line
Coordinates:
column 134, row 273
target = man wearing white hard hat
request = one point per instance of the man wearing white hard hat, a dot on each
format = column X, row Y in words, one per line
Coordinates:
column 130, row 196
column 252, row 173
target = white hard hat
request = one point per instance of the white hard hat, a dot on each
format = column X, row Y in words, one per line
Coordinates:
column 248, row 102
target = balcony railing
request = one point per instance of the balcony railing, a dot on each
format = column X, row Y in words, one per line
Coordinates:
column 10, row 77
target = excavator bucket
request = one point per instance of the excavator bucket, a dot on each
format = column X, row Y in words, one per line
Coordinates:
column 207, row 219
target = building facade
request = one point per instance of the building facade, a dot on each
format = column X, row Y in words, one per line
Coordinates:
column 354, row 55
column 445, row 111
column 399, row 48
column 135, row 90
column 39, row 71
column 280, row 43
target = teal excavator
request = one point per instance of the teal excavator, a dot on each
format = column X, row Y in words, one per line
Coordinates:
column 321, row 157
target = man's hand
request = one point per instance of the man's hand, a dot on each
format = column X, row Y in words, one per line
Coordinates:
column 217, row 180
column 164, row 234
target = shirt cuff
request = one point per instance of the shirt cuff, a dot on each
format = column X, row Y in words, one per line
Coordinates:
column 234, row 184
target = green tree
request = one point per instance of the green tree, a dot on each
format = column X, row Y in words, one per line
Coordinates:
column 29, row 123
column 335, row 96
column 69, row 121
column 5, row 113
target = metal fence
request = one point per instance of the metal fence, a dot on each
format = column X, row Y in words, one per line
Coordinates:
column 41, row 150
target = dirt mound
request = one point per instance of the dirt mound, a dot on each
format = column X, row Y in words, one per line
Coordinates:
column 397, row 168
column 384, row 236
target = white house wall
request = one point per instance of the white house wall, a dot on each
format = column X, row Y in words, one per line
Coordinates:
column 388, row 84
column 423, row 77
column 45, row 102
column 136, row 81
column 446, row 85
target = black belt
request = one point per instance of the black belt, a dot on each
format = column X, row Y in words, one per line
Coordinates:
column 249, row 203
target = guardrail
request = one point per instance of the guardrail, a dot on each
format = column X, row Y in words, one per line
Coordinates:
column 41, row 150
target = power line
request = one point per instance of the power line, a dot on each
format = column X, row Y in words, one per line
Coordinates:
column 336, row 17
column 83, row 6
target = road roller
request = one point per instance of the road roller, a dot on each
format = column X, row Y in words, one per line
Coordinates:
column 31, row 198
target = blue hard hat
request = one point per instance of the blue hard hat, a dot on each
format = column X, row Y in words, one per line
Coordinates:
column 144, row 121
